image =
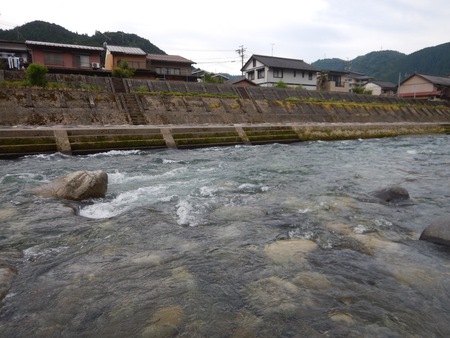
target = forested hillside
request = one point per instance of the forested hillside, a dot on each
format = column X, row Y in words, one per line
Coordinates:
column 49, row 32
column 388, row 65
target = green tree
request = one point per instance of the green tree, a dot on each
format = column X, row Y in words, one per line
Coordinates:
column 122, row 70
column 322, row 80
column 36, row 75
column 211, row 78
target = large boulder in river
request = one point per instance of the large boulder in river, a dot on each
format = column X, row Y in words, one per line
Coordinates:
column 391, row 194
column 77, row 186
column 438, row 231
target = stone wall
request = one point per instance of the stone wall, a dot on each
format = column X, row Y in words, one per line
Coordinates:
column 154, row 114
column 52, row 107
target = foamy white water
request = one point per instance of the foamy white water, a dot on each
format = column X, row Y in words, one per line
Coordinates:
column 266, row 241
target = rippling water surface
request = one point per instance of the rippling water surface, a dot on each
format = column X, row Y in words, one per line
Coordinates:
column 247, row 241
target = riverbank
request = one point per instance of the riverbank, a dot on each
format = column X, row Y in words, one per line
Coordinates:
column 76, row 140
column 157, row 114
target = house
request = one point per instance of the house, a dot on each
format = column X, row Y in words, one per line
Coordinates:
column 170, row 67
column 90, row 60
column 423, row 86
column 384, row 88
column 356, row 79
column 200, row 73
column 241, row 81
column 59, row 57
column 135, row 57
column 333, row 81
column 13, row 54
column 268, row 71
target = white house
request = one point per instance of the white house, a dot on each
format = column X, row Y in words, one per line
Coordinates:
column 381, row 87
column 267, row 71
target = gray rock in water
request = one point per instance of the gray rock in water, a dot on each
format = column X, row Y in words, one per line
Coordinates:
column 77, row 186
column 391, row 194
column 7, row 275
column 438, row 231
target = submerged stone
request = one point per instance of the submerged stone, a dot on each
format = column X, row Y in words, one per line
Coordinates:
column 289, row 251
column 391, row 194
column 7, row 275
column 77, row 186
column 165, row 322
column 438, row 232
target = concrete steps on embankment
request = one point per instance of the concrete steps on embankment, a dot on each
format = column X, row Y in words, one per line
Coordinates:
column 19, row 142
column 133, row 106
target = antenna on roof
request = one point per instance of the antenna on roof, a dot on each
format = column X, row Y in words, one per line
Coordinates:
column 272, row 47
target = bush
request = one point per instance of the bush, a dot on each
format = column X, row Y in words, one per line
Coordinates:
column 122, row 70
column 281, row 84
column 361, row 90
column 36, row 75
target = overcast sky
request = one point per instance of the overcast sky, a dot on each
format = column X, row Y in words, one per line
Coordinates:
column 210, row 32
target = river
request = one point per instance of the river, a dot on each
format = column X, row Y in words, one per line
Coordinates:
column 245, row 241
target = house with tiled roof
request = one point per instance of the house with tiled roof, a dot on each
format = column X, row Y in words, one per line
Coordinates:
column 61, row 57
column 384, row 88
column 422, row 86
column 13, row 54
column 170, row 67
column 135, row 57
column 91, row 60
column 356, row 79
column 240, row 81
column 268, row 71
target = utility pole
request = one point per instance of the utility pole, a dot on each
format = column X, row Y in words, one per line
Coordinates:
column 241, row 51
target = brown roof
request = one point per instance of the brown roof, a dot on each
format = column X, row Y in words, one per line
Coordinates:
column 169, row 58
column 125, row 50
column 62, row 45
column 436, row 80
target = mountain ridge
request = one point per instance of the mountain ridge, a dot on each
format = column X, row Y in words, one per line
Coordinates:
column 50, row 32
column 391, row 65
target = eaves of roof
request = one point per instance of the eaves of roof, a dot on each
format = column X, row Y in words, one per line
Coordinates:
column 169, row 58
column 444, row 81
column 282, row 63
column 62, row 45
column 421, row 94
column 384, row 84
column 437, row 80
column 125, row 50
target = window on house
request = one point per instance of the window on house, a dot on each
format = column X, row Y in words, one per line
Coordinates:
column 251, row 75
column 303, row 74
column 134, row 64
column 54, row 59
column 278, row 73
column 310, row 76
column 81, row 61
column 295, row 73
column 261, row 74
column 168, row 71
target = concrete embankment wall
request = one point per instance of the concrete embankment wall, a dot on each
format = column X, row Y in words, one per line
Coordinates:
column 156, row 114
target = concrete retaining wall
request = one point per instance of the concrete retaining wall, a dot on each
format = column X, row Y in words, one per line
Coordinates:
column 82, row 121
column 16, row 142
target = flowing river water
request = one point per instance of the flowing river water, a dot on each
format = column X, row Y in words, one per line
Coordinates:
column 246, row 241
